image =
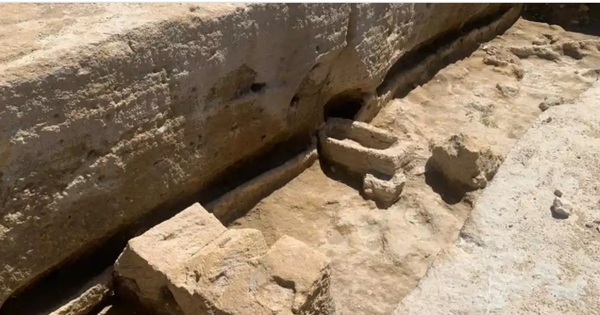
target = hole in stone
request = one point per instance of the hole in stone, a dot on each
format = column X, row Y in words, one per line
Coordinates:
column 294, row 101
column 56, row 115
column 257, row 87
column 317, row 49
column 344, row 105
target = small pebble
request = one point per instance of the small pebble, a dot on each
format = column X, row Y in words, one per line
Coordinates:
column 558, row 193
column 589, row 225
column 560, row 209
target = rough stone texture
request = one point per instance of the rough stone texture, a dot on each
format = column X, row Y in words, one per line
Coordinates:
column 464, row 161
column 360, row 147
column 297, row 266
column 375, row 154
column 219, row 279
column 513, row 256
column 150, row 259
column 246, row 195
column 155, row 101
column 550, row 102
column 229, row 276
column 87, row 299
column 384, row 190
column 378, row 257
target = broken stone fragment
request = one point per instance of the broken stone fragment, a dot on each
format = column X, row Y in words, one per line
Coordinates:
column 151, row 258
column 561, row 209
column 384, row 191
column 361, row 147
column 551, row 101
column 507, row 90
column 463, row 160
column 573, row 49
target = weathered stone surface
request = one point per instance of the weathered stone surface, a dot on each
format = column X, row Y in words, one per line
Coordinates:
column 296, row 266
column 513, row 256
column 89, row 297
column 361, row 147
column 372, row 152
column 244, row 196
column 550, row 102
column 150, row 259
column 385, row 191
column 219, row 279
column 463, row 161
column 155, row 101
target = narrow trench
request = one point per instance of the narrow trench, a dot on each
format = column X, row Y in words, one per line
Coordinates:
column 58, row 285
column 404, row 68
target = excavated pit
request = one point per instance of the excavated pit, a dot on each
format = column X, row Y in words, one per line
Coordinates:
column 343, row 105
column 244, row 194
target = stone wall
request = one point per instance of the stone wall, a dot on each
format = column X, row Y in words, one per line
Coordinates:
column 123, row 109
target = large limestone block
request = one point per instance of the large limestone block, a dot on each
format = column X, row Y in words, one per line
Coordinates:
column 148, row 260
column 108, row 111
column 237, row 275
column 294, row 265
column 219, row 279
column 514, row 255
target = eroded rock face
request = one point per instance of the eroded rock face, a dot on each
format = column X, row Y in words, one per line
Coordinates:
column 157, row 101
column 462, row 160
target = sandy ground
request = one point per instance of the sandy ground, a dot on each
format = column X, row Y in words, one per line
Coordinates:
column 380, row 255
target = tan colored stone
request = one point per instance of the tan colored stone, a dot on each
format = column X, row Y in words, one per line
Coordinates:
column 385, row 191
column 217, row 279
column 155, row 101
column 462, row 160
column 361, row 148
column 89, row 297
column 237, row 275
column 294, row 265
column 246, row 195
column 150, row 259
column 514, row 256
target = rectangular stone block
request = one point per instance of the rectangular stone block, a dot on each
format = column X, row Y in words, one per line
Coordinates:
column 360, row 147
column 151, row 258
column 220, row 278
column 237, row 274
